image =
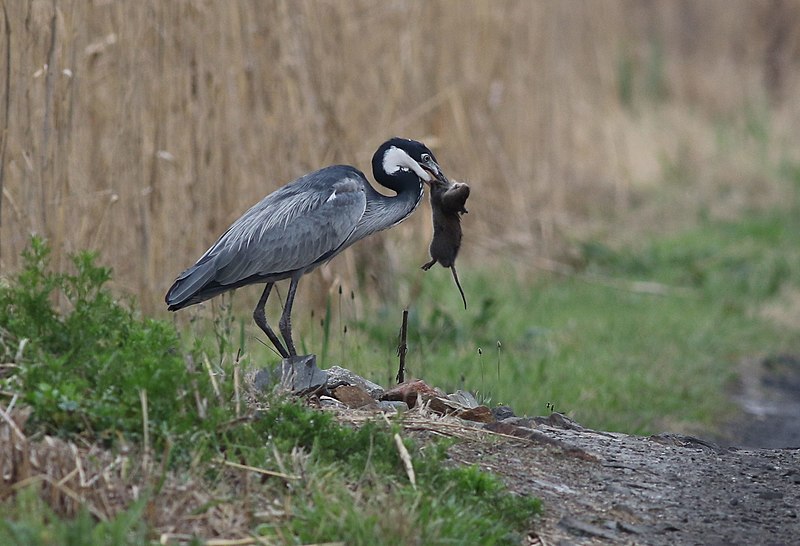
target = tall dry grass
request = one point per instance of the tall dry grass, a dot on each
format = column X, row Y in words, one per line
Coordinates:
column 142, row 129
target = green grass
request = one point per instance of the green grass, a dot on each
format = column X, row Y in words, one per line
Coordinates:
column 29, row 521
column 95, row 373
column 375, row 503
column 84, row 372
column 595, row 344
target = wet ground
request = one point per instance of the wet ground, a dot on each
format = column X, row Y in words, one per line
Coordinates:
column 611, row 488
column 769, row 397
column 666, row 489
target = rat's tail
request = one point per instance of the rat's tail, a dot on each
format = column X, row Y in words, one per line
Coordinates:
column 458, row 284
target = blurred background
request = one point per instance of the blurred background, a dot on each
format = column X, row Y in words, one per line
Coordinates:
column 142, row 129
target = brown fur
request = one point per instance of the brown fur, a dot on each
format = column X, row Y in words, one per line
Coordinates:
column 447, row 206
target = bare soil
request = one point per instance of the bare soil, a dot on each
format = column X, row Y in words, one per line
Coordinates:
column 611, row 488
column 768, row 394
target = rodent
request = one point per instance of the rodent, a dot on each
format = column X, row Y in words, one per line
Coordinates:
column 447, row 205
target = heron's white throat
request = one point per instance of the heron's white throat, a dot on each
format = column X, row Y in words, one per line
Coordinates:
column 395, row 159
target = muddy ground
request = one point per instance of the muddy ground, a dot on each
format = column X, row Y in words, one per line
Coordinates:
column 616, row 489
column 611, row 488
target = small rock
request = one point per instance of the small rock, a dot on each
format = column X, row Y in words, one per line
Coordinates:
column 353, row 397
column 526, row 422
column 442, row 406
column 504, row 427
column 481, row 414
column 330, row 403
column 559, row 420
column 393, row 406
column 338, row 375
column 464, row 398
column 503, row 412
column 409, row 391
column 298, row 374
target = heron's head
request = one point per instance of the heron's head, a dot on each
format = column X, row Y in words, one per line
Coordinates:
column 400, row 161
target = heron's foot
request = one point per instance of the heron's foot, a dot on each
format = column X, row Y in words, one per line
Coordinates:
column 300, row 374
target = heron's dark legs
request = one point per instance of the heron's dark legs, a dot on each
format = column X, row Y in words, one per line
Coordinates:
column 261, row 319
column 285, row 324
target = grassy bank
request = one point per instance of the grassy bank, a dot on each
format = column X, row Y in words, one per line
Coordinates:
column 113, row 434
column 634, row 338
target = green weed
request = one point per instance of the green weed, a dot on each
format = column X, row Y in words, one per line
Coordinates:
column 84, row 370
column 83, row 362
column 376, row 504
column 595, row 344
column 29, row 521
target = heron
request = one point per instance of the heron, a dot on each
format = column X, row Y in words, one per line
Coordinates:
column 304, row 224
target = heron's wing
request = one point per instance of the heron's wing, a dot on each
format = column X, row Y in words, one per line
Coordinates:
column 294, row 228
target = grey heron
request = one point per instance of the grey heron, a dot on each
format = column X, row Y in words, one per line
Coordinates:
column 304, row 224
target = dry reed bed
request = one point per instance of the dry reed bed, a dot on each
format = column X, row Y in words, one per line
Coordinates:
column 142, row 129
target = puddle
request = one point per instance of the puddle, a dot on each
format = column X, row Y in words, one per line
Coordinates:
column 769, row 396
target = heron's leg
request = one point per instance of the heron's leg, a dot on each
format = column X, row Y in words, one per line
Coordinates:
column 261, row 319
column 285, row 324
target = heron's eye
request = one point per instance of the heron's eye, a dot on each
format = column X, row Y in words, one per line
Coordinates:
column 425, row 157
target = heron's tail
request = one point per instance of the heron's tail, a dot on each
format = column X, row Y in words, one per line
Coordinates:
column 194, row 286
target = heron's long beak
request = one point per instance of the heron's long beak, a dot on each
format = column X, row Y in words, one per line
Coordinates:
column 433, row 168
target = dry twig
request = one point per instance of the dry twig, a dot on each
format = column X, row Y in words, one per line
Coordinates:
column 258, row 470
column 406, row 458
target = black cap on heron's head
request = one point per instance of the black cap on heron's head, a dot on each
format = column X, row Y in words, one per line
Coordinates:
column 400, row 162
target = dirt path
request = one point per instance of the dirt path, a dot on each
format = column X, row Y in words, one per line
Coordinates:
column 605, row 488
column 609, row 488
column 613, row 488
column 769, row 395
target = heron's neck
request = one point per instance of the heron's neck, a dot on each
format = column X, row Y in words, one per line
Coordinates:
column 397, row 208
column 384, row 212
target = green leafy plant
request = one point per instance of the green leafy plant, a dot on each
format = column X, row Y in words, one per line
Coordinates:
column 89, row 366
column 449, row 504
column 89, row 360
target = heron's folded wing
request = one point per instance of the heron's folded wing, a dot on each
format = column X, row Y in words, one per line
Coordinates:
column 294, row 232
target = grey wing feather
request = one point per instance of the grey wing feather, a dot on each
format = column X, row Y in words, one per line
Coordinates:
column 296, row 244
column 294, row 228
column 289, row 233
